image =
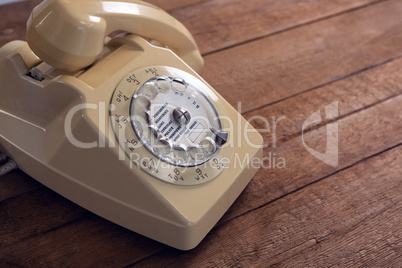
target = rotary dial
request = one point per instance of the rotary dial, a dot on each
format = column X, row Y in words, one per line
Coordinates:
column 166, row 122
column 175, row 121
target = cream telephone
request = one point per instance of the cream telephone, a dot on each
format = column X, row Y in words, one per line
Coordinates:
column 124, row 126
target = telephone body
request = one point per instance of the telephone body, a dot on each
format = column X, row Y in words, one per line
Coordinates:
column 126, row 129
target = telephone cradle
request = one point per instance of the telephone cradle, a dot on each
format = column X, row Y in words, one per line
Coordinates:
column 125, row 126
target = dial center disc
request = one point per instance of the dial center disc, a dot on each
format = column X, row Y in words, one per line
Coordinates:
column 181, row 116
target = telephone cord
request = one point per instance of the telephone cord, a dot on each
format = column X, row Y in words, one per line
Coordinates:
column 8, row 166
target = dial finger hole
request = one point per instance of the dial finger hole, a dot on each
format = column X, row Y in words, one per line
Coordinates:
column 147, row 134
column 164, row 146
column 163, row 83
column 155, row 131
column 208, row 145
column 166, row 141
column 196, row 153
column 141, row 102
column 150, row 90
column 179, row 84
column 149, row 116
column 180, row 154
column 138, row 126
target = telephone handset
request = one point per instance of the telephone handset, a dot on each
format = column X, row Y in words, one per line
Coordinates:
column 126, row 129
column 69, row 34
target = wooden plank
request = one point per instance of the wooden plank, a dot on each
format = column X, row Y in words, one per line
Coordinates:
column 35, row 213
column 14, row 19
column 16, row 183
column 375, row 242
column 221, row 24
column 304, row 219
column 174, row 4
column 44, row 218
column 92, row 242
column 353, row 94
column 283, row 65
column 358, row 139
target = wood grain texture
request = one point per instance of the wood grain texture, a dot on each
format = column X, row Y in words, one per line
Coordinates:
column 13, row 20
column 375, row 242
column 172, row 4
column 380, row 128
column 290, row 226
column 307, row 57
column 227, row 23
column 280, row 59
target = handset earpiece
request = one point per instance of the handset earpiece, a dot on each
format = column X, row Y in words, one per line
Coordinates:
column 69, row 34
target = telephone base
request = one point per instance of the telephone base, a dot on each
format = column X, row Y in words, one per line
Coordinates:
column 102, row 178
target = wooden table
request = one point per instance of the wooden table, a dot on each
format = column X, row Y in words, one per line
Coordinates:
column 282, row 60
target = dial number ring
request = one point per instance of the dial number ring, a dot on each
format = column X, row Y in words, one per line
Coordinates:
column 189, row 160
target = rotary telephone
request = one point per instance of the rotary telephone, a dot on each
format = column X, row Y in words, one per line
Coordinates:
column 124, row 126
